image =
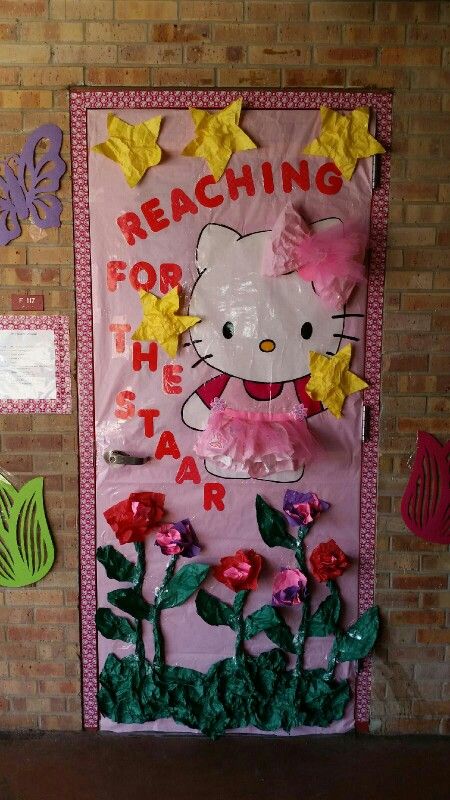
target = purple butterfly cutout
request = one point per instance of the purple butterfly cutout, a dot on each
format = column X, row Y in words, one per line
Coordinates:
column 29, row 182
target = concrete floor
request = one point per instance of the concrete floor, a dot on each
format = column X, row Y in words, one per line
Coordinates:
column 90, row 766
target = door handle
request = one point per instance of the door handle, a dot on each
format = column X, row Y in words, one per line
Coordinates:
column 119, row 458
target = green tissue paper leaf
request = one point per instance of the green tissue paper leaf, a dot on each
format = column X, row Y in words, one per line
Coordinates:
column 272, row 526
column 281, row 635
column 132, row 602
column 359, row 639
column 116, row 565
column 325, row 620
column 261, row 620
column 183, row 584
column 212, row 610
column 27, row 552
column 113, row 627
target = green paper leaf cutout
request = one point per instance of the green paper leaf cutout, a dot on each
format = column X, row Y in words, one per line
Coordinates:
column 113, row 627
column 281, row 635
column 27, row 552
column 272, row 526
column 212, row 610
column 182, row 585
column 116, row 565
column 325, row 620
column 359, row 639
column 262, row 619
column 132, row 602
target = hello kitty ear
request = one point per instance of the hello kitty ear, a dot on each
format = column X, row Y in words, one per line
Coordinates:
column 324, row 224
column 212, row 242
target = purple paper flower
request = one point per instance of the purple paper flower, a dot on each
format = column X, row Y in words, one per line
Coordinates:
column 178, row 538
column 302, row 508
column 289, row 587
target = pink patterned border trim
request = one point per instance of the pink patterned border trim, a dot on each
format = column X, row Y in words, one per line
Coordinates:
column 62, row 404
column 82, row 100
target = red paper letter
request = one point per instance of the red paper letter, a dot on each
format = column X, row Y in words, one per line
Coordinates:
column 167, row 446
column 169, row 276
column 139, row 357
column 202, row 197
column 289, row 176
column 188, row 471
column 181, row 204
column 149, row 414
column 119, row 331
column 334, row 183
column 154, row 215
column 130, row 225
column 171, row 378
column 113, row 275
column 246, row 181
column 124, row 407
column 266, row 169
column 213, row 494
column 136, row 269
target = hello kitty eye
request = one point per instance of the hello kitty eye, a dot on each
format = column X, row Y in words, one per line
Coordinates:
column 228, row 330
column 306, row 330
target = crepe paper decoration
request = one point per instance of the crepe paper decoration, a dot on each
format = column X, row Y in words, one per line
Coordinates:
column 240, row 571
column 133, row 147
column 27, row 552
column 289, row 587
column 255, row 442
column 137, row 516
column 29, row 182
column 218, row 136
column 331, row 380
column 242, row 690
column 328, row 561
column 160, row 323
column 344, row 138
column 302, row 508
column 331, row 258
column 425, row 505
column 358, row 640
column 175, row 589
column 178, row 538
column 280, row 252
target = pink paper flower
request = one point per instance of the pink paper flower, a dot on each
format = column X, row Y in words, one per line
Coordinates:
column 289, row 587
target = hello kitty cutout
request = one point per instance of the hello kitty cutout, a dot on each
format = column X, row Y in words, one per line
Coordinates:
column 256, row 332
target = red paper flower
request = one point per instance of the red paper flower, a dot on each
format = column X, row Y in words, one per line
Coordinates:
column 133, row 519
column 328, row 561
column 240, row 571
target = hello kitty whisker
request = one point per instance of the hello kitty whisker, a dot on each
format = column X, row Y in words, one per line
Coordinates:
column 345, row 315
column 194, row 341
column 203, row 358
column 343, row 336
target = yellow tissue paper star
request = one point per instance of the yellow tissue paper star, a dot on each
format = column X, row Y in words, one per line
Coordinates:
column 344, row 138
column 159, row 323
column 133, row 147
column 217, row 136
column 331, row 380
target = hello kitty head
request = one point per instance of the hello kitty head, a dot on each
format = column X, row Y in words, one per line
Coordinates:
column 255, row 327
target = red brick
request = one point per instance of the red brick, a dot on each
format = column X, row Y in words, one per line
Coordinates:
column 401, row 11
column 345, row 55
column 314, row 76
column 416, row 617
column 341, row 11
column 433, row 636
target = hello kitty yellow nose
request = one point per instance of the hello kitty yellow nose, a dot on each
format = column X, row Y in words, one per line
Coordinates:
column 267, row 345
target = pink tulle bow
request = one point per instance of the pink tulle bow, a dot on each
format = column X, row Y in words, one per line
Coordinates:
column 332, row 260
column 329, row 257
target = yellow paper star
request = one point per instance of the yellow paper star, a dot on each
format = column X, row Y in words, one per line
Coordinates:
column 344, row 138
column 331, row 380
column 133, row 147
column 159, row 323
column 217, row 136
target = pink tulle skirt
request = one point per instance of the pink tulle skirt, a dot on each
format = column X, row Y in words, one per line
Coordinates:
column 257, row 443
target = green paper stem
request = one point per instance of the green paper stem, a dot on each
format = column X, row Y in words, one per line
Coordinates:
column 138, row 584
column 300, row 636
column 332, row 658
column 238, row 607
column 158, row 638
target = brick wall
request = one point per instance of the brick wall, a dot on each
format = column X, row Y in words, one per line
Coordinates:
column 47, row 46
